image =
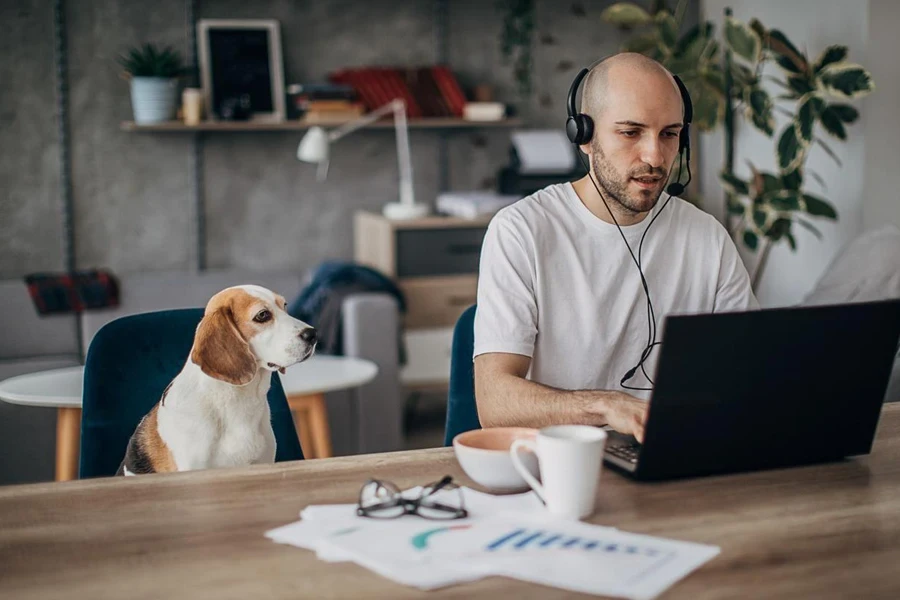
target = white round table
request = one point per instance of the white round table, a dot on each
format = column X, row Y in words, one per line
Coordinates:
column 304, row 385
column 59, row 389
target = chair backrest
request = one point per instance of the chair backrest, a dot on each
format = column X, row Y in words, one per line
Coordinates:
column 462, row 413
column 130, row 362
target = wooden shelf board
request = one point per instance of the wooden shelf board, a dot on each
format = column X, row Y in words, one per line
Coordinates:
column 298, row 125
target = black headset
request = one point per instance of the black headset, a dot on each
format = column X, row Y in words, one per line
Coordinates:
column 580, row 129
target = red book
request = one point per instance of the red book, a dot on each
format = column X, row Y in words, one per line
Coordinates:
column 450, row 89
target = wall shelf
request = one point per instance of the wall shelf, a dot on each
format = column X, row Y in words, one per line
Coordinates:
column 299, row 125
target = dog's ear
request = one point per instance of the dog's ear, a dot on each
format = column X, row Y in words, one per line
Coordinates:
column 220, row 351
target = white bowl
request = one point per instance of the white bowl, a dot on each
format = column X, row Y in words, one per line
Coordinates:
column 484, row 455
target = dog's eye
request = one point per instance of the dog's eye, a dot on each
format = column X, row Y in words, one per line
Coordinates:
column 263, row 316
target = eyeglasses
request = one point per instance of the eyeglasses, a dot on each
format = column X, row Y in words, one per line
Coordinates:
column 384, row 500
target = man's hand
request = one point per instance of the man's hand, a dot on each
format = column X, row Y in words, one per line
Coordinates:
column 624, row 413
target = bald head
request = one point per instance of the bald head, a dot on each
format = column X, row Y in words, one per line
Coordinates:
column 618, row 79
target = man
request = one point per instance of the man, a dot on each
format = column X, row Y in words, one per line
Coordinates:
column 562, row 313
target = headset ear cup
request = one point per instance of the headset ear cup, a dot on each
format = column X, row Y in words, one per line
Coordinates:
column 587, row 129
column 579, row 129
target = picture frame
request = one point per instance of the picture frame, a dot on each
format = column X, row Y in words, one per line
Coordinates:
column 240, row 58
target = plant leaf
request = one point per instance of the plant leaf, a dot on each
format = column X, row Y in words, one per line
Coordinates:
column 750, row 240
column 734, row 184
column 791, row 241
column 800, row 84
column 819, row 207
column 810, row 107
column 789, row 58
column 792, row 180
column 832, row 123
column 642, row 43
column 809, row 226
column 742, row 40
column 779, row 229
column 692, row 42
column 846, row 80
column 832, row 54
column 709, row 103
column 759, row 110
column 758, row 28
column 784, row 200
column 845, row 112
column 759, row 218
column 668, row 29
column 735, row 207
column 791, row 149
column 626, row 15
column 818, row 178
column 829, row 151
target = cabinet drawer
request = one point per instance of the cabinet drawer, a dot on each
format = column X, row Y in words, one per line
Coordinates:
column 438, row 301
column 425, row 252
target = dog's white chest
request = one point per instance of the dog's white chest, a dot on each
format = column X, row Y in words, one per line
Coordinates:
column 243, row 441
column 223, row 431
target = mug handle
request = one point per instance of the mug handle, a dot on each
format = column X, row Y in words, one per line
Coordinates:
column 517, row 463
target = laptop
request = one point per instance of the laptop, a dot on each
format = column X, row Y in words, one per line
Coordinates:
column 764, row 389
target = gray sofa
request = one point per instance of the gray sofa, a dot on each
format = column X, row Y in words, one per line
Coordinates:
column 365, row 419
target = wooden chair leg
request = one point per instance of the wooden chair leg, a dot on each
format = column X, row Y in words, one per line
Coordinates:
column 318, row 421
column 311, row 421
column 68, row 439
column 300, row 413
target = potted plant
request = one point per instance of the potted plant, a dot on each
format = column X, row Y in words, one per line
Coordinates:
column 154, row 76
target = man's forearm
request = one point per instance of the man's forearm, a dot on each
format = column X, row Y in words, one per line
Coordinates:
column 506, row 400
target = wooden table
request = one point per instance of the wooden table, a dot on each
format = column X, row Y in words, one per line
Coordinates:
column 828, row 531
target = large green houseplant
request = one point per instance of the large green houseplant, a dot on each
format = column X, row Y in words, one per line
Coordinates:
column 725, row 79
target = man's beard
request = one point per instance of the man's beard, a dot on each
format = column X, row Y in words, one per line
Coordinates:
column 616, row 187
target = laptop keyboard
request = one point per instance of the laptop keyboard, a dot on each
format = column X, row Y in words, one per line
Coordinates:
column 627, row 452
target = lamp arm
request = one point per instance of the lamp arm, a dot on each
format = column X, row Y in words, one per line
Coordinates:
column 369, row 118
column 398, row 107
column 407, row 196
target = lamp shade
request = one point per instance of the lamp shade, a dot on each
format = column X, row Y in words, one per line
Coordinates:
column 313, row 147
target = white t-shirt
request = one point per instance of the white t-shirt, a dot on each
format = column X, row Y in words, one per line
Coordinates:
column 557, row 284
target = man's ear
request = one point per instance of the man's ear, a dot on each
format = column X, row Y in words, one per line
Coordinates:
column 221, row 352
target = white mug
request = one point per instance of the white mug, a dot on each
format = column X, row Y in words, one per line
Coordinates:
column 570, row 458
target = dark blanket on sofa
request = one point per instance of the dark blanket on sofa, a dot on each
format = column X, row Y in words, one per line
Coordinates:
column 72, row 292
column 319, row 302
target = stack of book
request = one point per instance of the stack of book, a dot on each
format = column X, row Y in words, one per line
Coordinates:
column 324, row 102
column 428, row 91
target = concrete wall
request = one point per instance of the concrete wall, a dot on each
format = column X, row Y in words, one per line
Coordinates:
column 30, row 228
column 812, row 25
column 882, row 177
column 133, row 192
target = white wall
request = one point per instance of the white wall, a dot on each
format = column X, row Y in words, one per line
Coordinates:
column 812, row 25
column 882, row 174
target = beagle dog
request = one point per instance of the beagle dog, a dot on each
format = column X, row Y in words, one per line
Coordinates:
column 215, row 412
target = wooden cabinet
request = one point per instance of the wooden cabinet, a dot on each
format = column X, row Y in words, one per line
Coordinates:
column 434, row 261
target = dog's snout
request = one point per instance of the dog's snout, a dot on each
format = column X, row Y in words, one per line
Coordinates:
column 308, row 335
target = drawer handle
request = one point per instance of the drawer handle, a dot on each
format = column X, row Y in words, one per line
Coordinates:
column 464, row 248
column 461, row 300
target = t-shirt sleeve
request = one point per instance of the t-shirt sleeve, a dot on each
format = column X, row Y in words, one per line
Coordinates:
column 733, row 290
column 506, row 318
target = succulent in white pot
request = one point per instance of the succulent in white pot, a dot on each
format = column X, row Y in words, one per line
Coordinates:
column 154, row 76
